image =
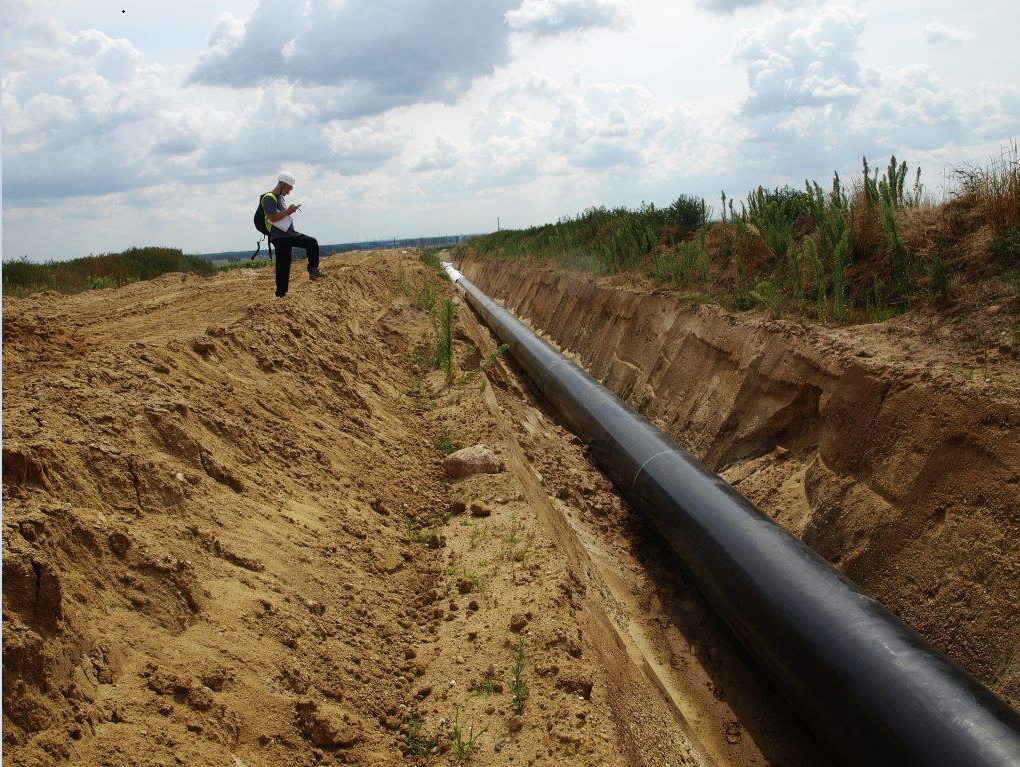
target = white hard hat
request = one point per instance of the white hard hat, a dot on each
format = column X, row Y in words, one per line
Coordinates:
column 287, row 178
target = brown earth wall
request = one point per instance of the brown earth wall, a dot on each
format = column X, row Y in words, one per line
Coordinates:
column 906, row 479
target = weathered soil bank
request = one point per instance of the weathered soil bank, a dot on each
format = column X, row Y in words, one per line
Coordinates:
column 891, row 449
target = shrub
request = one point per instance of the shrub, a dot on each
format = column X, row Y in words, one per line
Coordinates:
column 688, row 212
column 1006, row 246
column 774, row 213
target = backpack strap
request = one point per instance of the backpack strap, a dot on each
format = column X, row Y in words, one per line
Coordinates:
column 262, row 201
column 269, row 228
column 258, row 249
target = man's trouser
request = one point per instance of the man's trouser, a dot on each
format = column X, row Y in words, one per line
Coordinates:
column 283, row 246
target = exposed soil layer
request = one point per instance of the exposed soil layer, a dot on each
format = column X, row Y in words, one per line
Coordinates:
column 892, row 449
column 229, row 538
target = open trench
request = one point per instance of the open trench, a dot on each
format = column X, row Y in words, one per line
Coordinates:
column 211, row 501
column 682, row 689
column 862, row 462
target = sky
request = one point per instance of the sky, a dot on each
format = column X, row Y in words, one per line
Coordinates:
column 132, row 124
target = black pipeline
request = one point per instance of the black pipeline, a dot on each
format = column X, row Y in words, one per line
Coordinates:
column 862, row 679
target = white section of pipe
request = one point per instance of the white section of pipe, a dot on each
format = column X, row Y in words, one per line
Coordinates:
column 455, row 276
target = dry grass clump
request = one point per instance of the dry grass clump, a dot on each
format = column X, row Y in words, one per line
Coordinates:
column 994, row 190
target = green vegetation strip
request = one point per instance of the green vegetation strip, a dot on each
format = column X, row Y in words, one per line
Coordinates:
column 853, row 252
column 111, row 270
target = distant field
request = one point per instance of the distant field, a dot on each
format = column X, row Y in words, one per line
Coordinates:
column 327, row 250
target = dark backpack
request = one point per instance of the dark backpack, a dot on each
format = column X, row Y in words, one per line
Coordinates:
column 262, row 226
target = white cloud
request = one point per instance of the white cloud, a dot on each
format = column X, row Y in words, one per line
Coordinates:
column 797, row 61
column 85, row 114
column 410, row 116
column 362, row 147
column 936, row 33
column 75, row 114
column 732, row 6
column 546, row 18
column 915, row 110
column 539, row 128
column 727, row 6
column 442, row 156
column 365, row 58
column 908, row 112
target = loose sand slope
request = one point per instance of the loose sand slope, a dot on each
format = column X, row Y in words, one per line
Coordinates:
column 228, row 539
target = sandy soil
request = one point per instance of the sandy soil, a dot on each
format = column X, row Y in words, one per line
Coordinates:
column 229, row 538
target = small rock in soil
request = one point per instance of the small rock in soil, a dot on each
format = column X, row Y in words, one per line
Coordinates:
column 477, row 459
column 480, row 509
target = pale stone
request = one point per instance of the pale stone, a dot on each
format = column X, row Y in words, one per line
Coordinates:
column 476, row 459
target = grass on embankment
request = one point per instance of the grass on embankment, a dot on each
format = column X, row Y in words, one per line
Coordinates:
column 852, row 252
column 110, row 270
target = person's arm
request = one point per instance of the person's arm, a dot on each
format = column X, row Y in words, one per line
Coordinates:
column 274, row 217
column 269, row 203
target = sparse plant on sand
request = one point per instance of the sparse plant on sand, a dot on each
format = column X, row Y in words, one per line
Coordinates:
column 447, row 442
column 426, row 295
column 443, row 320
column 468, row 581
column 518, row 685
column 432, row 257
column 422, row 529
column 416, row 741
column 486, row 364
column 515, row 545
column 486, row 687
column 463, row 745
column 420, row 394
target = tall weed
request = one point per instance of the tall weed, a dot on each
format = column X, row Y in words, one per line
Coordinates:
column 443, row 321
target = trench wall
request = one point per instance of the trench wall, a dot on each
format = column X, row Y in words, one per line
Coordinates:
column 910, row 485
